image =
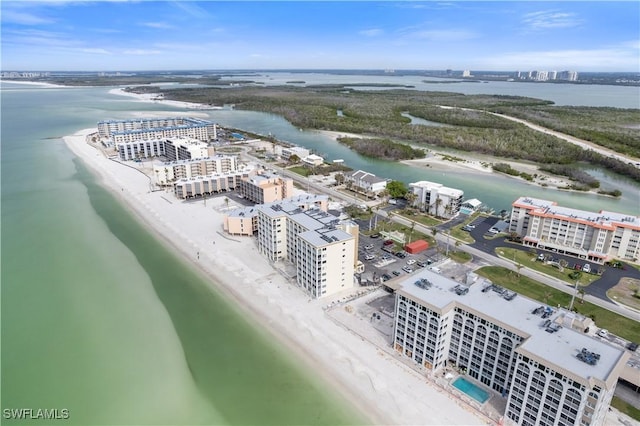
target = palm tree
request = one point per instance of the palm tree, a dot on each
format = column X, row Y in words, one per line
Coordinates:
column 226, row 202
column 438, row 204
column 411, row 198
column 413, row 225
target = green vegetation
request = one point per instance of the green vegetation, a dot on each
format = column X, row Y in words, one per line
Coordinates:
column 460, row 256
column 572, row 173
column 384, row 149
column 528, row 259
column 302, row 171
column 623, row 406
column 412, row 214
column 397, row 189
column 379, row 114
column 506, row 168
column 617, row 324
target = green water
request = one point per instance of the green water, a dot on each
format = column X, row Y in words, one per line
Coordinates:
column 100, row 319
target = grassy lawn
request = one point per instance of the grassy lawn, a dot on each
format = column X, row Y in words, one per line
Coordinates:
column 617, row 324
column 625, row 407
column 626, row 292
column 528, row 259
column 464, row 236
column 302, row 171
column 419, row 217
column 415, row 235
column 460, row 256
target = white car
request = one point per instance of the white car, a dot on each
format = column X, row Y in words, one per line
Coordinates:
column 411, row 261
column 603, row 332
column 586, row 268
column 368, row 247
column 370, row 257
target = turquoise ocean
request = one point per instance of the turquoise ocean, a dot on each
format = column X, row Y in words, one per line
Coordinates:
column 101, row 319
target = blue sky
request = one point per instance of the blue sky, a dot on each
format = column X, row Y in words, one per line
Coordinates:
column 171, row 35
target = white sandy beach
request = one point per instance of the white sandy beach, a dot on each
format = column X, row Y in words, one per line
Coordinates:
column 380, row 385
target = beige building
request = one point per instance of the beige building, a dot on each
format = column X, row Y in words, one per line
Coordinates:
column 365, row 182
column 266, row 188
column 169, row 172
column 244, row 221
column 175, row 148
column 514, row 348
column 597, row 237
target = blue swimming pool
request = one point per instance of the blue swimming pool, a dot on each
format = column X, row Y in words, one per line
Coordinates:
column 470, row 389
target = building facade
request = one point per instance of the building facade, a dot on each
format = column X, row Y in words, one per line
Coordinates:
column 597, row 237
column 314, row 241
column 436, row 198
column 201, row 186
column 121, row 131
column 175, row 148
column 549, row 373
column 172, row 171
column 266, row 188
column 365, row 182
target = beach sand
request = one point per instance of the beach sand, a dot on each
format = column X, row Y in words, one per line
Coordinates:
column 382, row 387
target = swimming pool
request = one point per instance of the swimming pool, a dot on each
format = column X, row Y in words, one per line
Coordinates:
column 470, row 389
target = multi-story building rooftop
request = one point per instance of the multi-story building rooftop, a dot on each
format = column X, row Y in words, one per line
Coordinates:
column 589, row 235
column 120, row 131
column 436, row 198
column 531, row 354
column 322, row 247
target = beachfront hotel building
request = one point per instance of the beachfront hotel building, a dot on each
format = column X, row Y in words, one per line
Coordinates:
column 244, row 221
column 536, row 357
column 597, row 237
column 321, row 247
column 121, row 131
column 171, row 171
column 265, row 188
column 175, row 148
column 201, row 186
column 365, row 182
column 436, row 198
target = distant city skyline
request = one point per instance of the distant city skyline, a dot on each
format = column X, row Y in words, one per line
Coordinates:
column 191, row 35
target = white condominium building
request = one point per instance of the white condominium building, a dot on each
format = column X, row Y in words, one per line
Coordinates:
column 201, row 186
column 120, row 131
column 315, row 241
column 436, row 198
column 170, row 172
column 176, row 148
column 536, row 357
column 597, row 237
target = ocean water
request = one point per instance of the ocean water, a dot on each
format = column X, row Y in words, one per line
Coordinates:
column 102, row 320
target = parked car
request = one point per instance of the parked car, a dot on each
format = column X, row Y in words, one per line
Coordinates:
column 386, row 277
column 387, row 242
column 368, row 247
column 586, row 268
column 632, row 346
column 603, row 332
column 374, row 236
column 370, row 257
column 421, row 264
column 411, row 261
column 401, row 254
column 407, row 269
column 386, row 257
column 468, row 228
column 396, row 273
column 541, row 257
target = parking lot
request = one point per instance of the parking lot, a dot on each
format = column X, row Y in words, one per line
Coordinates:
column 384, row 260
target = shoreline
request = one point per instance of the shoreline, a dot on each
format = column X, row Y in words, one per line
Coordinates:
column 380, row 389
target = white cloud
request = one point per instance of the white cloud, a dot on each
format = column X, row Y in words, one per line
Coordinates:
column 22, row 18
column 141, row 52
column 157, row 25
column 443, row 35
column 95, row 50
column 608, row 59
column 548, row 19
column 371, row 32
